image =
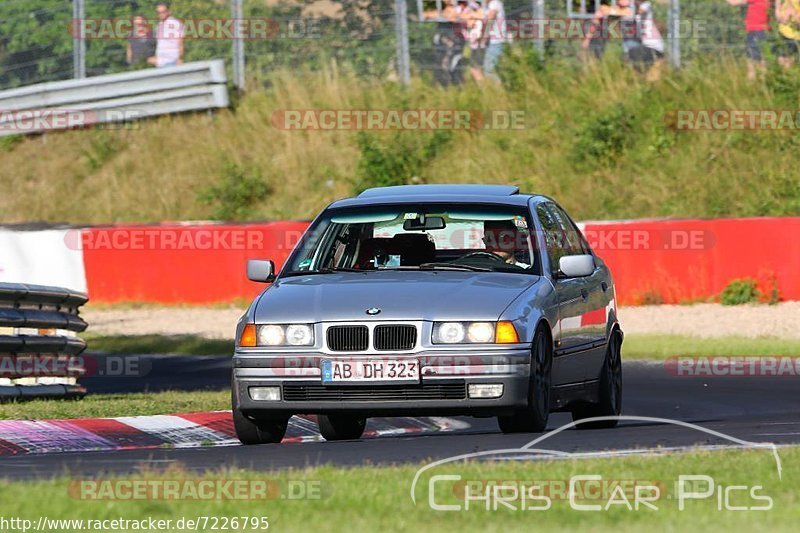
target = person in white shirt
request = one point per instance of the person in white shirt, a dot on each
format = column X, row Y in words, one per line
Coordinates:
column 495, row 37
column 169, row 39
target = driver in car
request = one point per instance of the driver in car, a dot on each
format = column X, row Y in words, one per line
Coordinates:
column 502, row 238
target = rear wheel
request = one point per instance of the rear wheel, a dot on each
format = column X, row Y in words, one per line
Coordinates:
column 341, row 427
column 610, row 397
column 533, row 418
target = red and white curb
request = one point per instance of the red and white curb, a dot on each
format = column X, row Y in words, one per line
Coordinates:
column 19, row 437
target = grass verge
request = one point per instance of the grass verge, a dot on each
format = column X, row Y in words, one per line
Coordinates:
column 377, row 499
column 599, row 132
column 159, row 344
column 110, row 405
column 661, row 347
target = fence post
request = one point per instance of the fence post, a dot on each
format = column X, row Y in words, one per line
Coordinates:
column 78, row 40
column 674, row 33
column 538, row 17
column 401, row 29
column 237, row 13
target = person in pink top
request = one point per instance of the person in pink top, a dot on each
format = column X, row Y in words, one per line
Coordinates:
column 756, row 24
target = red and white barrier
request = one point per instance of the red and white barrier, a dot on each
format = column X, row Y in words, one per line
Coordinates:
column 189, row 430
column 652, row 260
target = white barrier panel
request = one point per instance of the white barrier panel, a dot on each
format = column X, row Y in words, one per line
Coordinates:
column 42, row 258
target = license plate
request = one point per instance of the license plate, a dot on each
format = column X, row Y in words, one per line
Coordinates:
column 338, row 371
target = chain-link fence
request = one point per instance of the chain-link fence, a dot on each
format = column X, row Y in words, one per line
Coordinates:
column 46, row 40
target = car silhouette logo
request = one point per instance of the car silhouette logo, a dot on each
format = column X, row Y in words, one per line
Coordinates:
column 372, row 311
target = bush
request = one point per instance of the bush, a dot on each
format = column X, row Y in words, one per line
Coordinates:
column 740, row 291
column 398, row 161
column 237, row 195
column 603, row 137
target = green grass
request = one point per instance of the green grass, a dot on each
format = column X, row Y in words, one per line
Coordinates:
column 591, row 132
column 663, row 346
column 377, row 499
column 110, row 405
column 160, row 344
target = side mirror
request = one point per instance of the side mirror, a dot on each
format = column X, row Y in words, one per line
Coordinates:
column 260, row 270
column 576, row 266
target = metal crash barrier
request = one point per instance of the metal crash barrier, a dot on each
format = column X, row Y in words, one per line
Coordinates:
column 114, row 98
column 39, row 344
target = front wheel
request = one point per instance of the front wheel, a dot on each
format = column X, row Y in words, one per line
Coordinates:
column 259, row 430
column 609, row 402
column 533, row 419
column 256, row 430
column 341, row 427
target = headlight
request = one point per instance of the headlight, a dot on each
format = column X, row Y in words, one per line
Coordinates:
column 474, row 333
column 271, row 335
column 481, row 332
column 286, row 335
column 448, row 333
column 299, row 335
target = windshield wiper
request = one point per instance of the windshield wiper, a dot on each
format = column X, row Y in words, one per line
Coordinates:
column 326, row 270
column 453, row 266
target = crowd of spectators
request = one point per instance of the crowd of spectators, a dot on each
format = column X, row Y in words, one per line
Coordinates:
column 482, row 32
column 757, row 27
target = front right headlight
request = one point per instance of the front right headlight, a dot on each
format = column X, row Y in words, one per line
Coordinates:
column 272, row 335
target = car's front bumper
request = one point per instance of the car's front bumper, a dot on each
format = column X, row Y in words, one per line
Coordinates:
column 443, row 388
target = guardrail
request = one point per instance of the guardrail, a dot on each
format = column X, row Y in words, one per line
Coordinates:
column 39, row 345
column 113, row 98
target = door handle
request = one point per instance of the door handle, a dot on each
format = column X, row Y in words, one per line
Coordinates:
column 584, row 294
column 604, row 286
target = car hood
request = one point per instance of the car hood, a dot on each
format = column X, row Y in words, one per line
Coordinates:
column 400, row 295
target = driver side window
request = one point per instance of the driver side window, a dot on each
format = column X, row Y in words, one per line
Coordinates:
column 561, row 236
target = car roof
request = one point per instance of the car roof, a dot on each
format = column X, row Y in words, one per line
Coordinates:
column 419, row 194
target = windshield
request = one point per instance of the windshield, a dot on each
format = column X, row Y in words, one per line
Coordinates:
column 418, row 237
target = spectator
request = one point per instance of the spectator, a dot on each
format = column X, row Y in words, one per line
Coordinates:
column 471, row 16
column 495, row 37
column 169, row 39
column 648, row 55
column 788, row 14
column 756, row 24
column 597, row 35
column 141, row 44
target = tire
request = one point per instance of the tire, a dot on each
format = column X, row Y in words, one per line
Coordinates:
column 533, row 419
column 341, row 427
column 262, row 430
column 609, row 401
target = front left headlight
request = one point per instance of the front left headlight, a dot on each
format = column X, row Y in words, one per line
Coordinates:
column 273, row 335
column 474, row 333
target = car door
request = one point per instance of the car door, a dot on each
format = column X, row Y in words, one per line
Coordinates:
column 567, row 367
column 596, row 298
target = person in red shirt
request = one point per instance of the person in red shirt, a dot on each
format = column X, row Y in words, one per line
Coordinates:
column 756, row 24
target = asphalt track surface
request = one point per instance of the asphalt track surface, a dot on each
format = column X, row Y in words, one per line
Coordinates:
column 759, row 409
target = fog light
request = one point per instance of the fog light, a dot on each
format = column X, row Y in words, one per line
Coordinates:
column 265, row 394
column 485, row 390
